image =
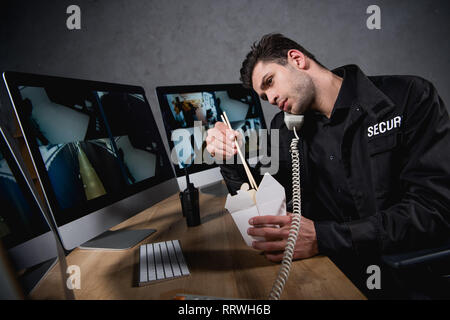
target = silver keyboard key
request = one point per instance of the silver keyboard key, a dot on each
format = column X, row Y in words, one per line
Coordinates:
column 151, row 263
column 158, row 262
column 166, row 261
column 173, row 259
column 143, row 275
column 179, row 254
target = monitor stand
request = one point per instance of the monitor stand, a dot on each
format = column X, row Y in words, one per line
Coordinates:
column 216, row 188
column 117, row 240
column 33, row 275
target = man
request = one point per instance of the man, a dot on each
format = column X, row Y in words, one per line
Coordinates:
column 375, row 161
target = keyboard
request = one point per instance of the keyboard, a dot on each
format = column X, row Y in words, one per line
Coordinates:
column 161, row 261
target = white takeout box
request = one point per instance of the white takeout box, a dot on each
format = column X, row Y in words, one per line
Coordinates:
column 270, row 200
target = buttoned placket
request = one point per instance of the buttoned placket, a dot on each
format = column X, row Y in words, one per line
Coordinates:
column 357, row 194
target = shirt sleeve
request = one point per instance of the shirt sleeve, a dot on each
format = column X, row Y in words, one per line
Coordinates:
column 234, row 176
column 333, row 238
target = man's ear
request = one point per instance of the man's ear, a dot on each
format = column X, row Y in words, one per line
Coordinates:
column 297, row 59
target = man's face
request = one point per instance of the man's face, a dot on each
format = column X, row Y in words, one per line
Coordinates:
column 287, row 87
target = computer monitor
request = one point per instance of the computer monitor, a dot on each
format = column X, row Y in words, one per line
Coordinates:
column 189, row 111
column 98, row 155
column 24, row 229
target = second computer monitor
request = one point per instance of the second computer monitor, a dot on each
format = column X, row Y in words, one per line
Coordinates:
column 189, row 111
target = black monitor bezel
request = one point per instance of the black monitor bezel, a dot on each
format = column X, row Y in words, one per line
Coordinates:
column 65, row 216
column 163, row 90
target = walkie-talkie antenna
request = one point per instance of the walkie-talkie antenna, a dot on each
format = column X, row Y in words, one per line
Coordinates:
column 187, row 177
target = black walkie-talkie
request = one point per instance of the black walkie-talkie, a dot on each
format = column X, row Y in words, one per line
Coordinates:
column 189, row 203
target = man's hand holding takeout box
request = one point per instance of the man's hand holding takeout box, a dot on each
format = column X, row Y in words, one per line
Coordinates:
column 270, row 199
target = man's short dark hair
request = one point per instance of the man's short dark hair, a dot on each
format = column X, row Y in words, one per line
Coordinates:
column 272, row 47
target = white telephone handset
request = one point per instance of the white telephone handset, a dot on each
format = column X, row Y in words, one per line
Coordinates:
column 293, row 122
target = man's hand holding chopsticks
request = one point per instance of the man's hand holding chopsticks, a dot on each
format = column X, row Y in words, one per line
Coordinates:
column 220, row 141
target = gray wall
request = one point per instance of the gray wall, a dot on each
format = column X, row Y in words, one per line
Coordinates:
column 152, row 43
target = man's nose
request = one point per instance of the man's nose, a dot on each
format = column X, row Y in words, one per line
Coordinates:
column 273, row 98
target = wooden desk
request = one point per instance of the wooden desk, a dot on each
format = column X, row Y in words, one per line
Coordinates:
column 219, row 261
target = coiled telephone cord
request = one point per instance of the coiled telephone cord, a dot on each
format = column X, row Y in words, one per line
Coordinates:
column 283, row 273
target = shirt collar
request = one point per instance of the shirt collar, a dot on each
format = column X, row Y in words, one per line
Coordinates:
column 346, row 93
column 365, row 93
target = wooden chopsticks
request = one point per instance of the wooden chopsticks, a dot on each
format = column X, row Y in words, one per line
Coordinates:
column 247, row 170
